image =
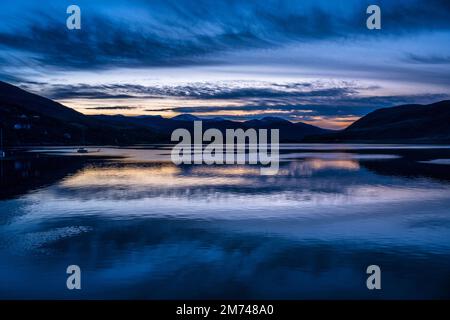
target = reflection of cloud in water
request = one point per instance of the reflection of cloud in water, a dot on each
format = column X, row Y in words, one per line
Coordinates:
column 310, row 166
column 164, row 176
column 225, row 170
column 302, row 189
column 30, row 241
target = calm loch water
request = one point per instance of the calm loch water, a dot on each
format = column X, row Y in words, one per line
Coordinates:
column 140, row 227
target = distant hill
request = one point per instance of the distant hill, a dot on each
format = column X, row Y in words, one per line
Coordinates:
column 27, row 118
column 185, row 117
column 289, row 131
column 407, row 123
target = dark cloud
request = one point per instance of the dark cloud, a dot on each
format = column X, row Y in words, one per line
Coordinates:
column 411, row 16
column 205, row 91
column 101, row 43
column 263, row 93
column 192, row 32
column 430, row 59
column 98, row 92
column 112, row 108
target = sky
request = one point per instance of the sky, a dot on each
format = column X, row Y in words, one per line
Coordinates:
column 302, row 60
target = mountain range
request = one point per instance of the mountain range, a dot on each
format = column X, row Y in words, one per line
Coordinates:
column 30, row 119
column 289, row 131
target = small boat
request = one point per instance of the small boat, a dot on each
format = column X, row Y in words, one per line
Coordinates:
column 83, row 142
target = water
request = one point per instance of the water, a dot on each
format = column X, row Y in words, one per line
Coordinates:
column 141, row 227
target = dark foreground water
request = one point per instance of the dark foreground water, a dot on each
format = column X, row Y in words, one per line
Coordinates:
column 140, row 227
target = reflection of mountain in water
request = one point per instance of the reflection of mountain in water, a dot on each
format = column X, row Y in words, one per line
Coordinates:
column 29, row 172
column 409, row 169
column 412, row 164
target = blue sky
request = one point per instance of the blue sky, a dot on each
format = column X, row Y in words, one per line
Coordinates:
column 311, row 61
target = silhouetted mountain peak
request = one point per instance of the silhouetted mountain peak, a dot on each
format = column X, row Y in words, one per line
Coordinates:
column 149, row 117
column 274, row 119
column 185, row 117
column 215, row 119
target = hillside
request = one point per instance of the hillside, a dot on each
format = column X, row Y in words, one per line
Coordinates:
column 27, row 118
column 406, row 123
